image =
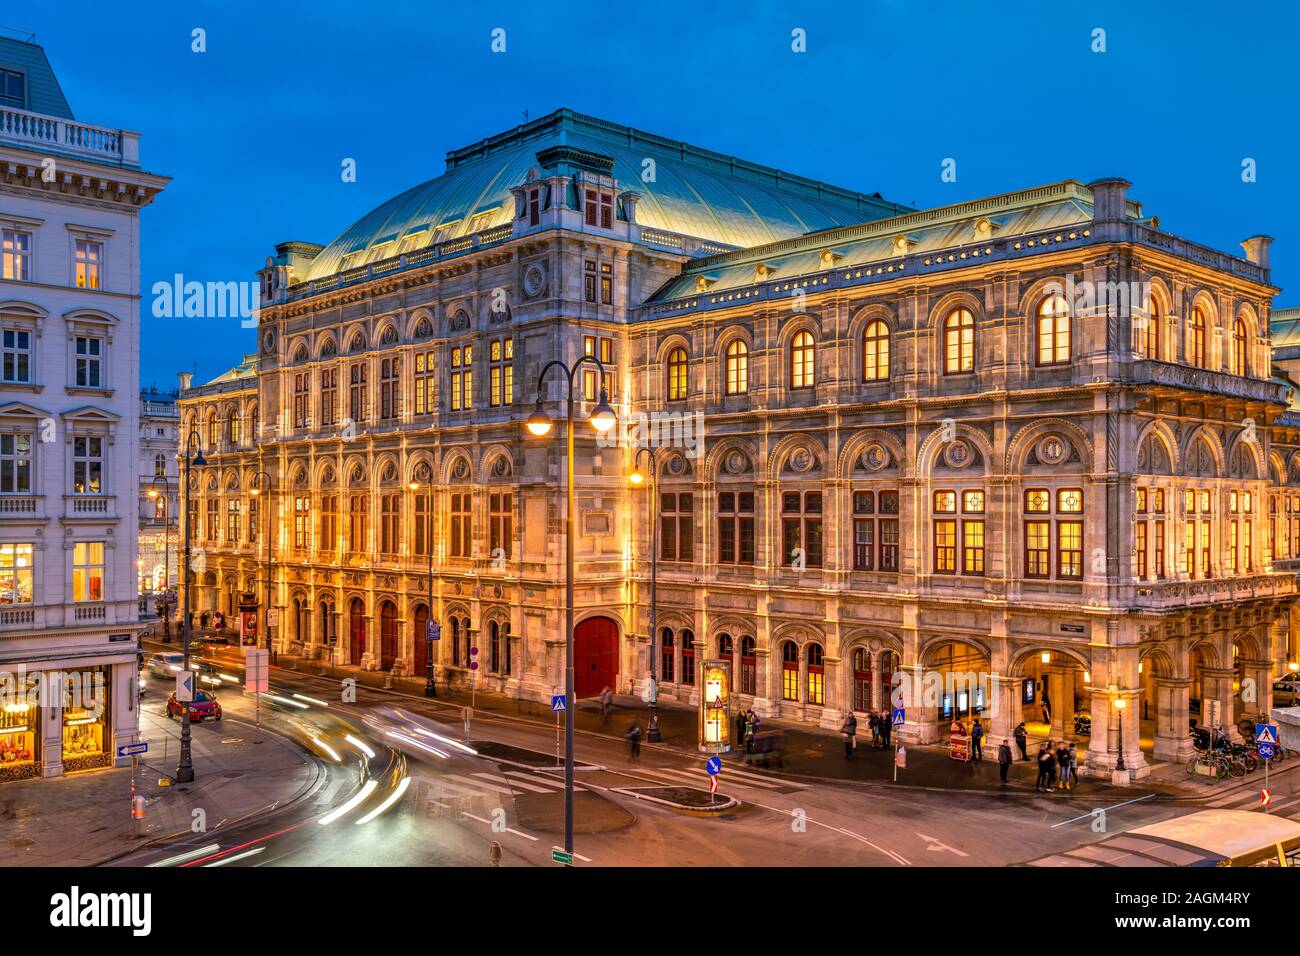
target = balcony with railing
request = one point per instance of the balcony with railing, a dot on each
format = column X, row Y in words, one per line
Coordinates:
column 57, row 135
column 22, row 506
column 90, row 506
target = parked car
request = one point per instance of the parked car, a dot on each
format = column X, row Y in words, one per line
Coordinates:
column 166, row 665
column 204, row 706
column 1286, row 692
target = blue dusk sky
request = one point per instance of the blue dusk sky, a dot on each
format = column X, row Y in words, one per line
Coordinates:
column 253, row 132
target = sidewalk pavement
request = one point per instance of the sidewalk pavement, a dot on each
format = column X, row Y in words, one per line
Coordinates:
column 809, row 751
column 83, row 819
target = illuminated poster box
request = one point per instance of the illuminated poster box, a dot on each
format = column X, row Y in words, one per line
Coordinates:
column 715, row 707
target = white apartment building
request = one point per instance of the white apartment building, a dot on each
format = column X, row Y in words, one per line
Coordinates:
column 70, row 197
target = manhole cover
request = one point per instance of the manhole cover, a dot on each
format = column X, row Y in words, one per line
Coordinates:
column 233, row 774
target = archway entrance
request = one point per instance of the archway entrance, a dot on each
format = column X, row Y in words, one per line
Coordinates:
column 387, row 635
column 951, row 685
column 1053, row 696
column 356, row 631
column 595, row 656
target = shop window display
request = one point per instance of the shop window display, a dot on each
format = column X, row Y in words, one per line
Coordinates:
column 19, row 721
column 86, row 734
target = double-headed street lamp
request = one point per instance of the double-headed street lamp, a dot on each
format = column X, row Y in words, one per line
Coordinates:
column 425, row 473
column 193, row 455
column 167, row 550
column 637, row 478
column 540, row 424
column 259, row 479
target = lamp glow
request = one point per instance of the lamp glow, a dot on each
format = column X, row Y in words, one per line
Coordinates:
column 539, row 423
column 603, row 418
column 636, row 477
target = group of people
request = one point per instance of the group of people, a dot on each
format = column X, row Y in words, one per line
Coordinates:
column 747, row 723
column 1059, row 764
column 880, row 725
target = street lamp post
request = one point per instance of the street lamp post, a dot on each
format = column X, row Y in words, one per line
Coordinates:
column 637, row 477
column 193, row 455
column 426, row 472
column 258, row 480
column 167, row 551
column 539, row 424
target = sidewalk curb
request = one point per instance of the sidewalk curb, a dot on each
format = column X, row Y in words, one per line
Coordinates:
column 628, row 792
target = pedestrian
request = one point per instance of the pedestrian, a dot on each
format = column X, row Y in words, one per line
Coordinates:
column 849, row 733
column 1074, row 765
column 1063, row 767
column 1046, row 764
column 751, row 727
column 873, row 721
column 203, row 621
column 1046, row 704
column 1004, row 759
column 606, row 705
column 740, row 726
column 977, row 740
column 634, row 742
column 1022, row 739
column 885, row 728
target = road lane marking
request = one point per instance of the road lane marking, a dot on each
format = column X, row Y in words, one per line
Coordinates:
column 1092, row 813
column 483, row 783
column 526, row 836
column 515, row 783
column 896, row 857
column 701, row 779
column 936, row 846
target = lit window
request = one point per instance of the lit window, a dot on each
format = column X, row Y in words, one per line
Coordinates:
column 677, row 375
column 15, row 255
column 1053, row 331
column 87, row 465
column 88, row 571
column 959, row 342
column 737, row 362
column 89, row 255
column 16, row 573
column 875, row 352
column 802, row 361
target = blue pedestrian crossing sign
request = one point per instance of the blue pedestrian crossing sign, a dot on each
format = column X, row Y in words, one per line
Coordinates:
column 557, row 702
column 1267, row 751
column 714, row 766
column 899, row 717
column 1266, row 734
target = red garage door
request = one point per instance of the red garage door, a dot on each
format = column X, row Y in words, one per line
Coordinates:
column 595, row 656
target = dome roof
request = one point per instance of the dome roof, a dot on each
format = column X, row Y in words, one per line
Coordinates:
column 694, row 192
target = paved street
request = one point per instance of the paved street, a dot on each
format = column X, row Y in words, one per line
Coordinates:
column 405, row 782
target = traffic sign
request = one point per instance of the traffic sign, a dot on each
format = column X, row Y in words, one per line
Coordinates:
column 557, row 703
column 1266, row 751
column 433, row 631
column 133, row 750
column 714, row 766
column 1265, row 798
column 559, row 856
column 899, row 716
column 256, row 665
column 273, row 617
column 1266, row 733
column 185, row 686
column 713, row 785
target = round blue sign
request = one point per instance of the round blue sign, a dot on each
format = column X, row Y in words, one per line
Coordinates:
column 1265, row 750
column 713, row 766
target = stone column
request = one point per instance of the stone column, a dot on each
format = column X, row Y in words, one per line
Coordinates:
column 836, row 691
column 1103, row 747
column 1060, row 688
column 1216, row 684
column 1005, row 699
column 1135, row 762
column 922, row 716
column 763, row 704
column 1256, row 688
column 1173, row 741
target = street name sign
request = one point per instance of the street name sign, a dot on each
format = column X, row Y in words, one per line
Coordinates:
column 133, row 750
column 559, row 856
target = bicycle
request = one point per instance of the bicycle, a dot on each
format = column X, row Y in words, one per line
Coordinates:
column 1208, row 765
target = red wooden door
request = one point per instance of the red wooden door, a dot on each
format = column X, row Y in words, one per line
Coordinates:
column 387, row 636
column 357, row 630
column 595, row 656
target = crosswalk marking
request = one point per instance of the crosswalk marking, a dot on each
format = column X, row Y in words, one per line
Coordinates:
column 700, row 779
column 760, row 779
column 515, row 783
column 482, row 783
column 545, row 781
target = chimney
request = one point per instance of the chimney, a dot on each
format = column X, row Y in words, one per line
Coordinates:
column 1109, row 198
column 183, row 380
column 1257, row 250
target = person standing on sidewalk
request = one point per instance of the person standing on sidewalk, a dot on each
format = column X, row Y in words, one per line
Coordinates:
column 1063, row 767
column 634, row 742
column 1074, row 765
column 751, row 727
column 606, row 705
column 849, row 731
column 1004, row 760
column 873, row 721
column 1022, row 739
column 882, row 721
column 977, row 740
column 1046, row 763
column 741, row 720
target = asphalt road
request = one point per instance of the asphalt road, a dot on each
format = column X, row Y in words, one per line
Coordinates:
column 407, row 784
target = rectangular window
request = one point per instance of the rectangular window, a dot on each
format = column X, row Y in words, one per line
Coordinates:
column 358, row 524
column 1203, row 546
column 87, row 465
column 589, row 280
column 972, row 546
column 89, row 256
column 16, row 568
column 301, row 388
column 329, row 396
column 676, row 527
column 329, row 524
column 945, row 546
column 15, row 464
column 390, row 510
column 89, row 355
column 801, row 529
column 606, row 284
column 17, row 356
column 1069, row 558
column 15, row 255
column 1159, row 553
column 424, row 383
column 534, row 206
column 301, row 523
column 390, row 378
column 500, row 524
column 88, row 571
column 13, row 89
column 212, row 519
column 461, row 524
column 232, row 520
column 1189, row 545
column 462, row 378
column 358, row 399
column 1038, row 549
column 864, row 531
column 501, row 372
column 422, row 529
column 736, row 527
column 1140, row 550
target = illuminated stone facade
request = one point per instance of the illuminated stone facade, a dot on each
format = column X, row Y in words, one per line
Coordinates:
column 961, row 440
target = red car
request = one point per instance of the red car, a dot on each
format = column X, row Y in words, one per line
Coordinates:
column 204, row 706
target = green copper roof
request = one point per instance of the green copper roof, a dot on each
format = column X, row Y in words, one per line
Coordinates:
column 40, row 86
column 694, row 192
column 1284, row 327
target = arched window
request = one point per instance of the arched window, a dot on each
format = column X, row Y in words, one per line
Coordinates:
column 1054, row 331
column 816, row 675
column 959, row 342
column 737, row 368
column 1149, row 331
column 1239, row 366
column 232, row 428
column 494, row 648
column 666, row 655
column 789, row 671
column 677, row 380
column 802, row 361
column 726, row 646
column 875, row 352
column 748, row 667
column 688, row 657
column 1196, row 347
column 861, row 679
column 455, row 641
